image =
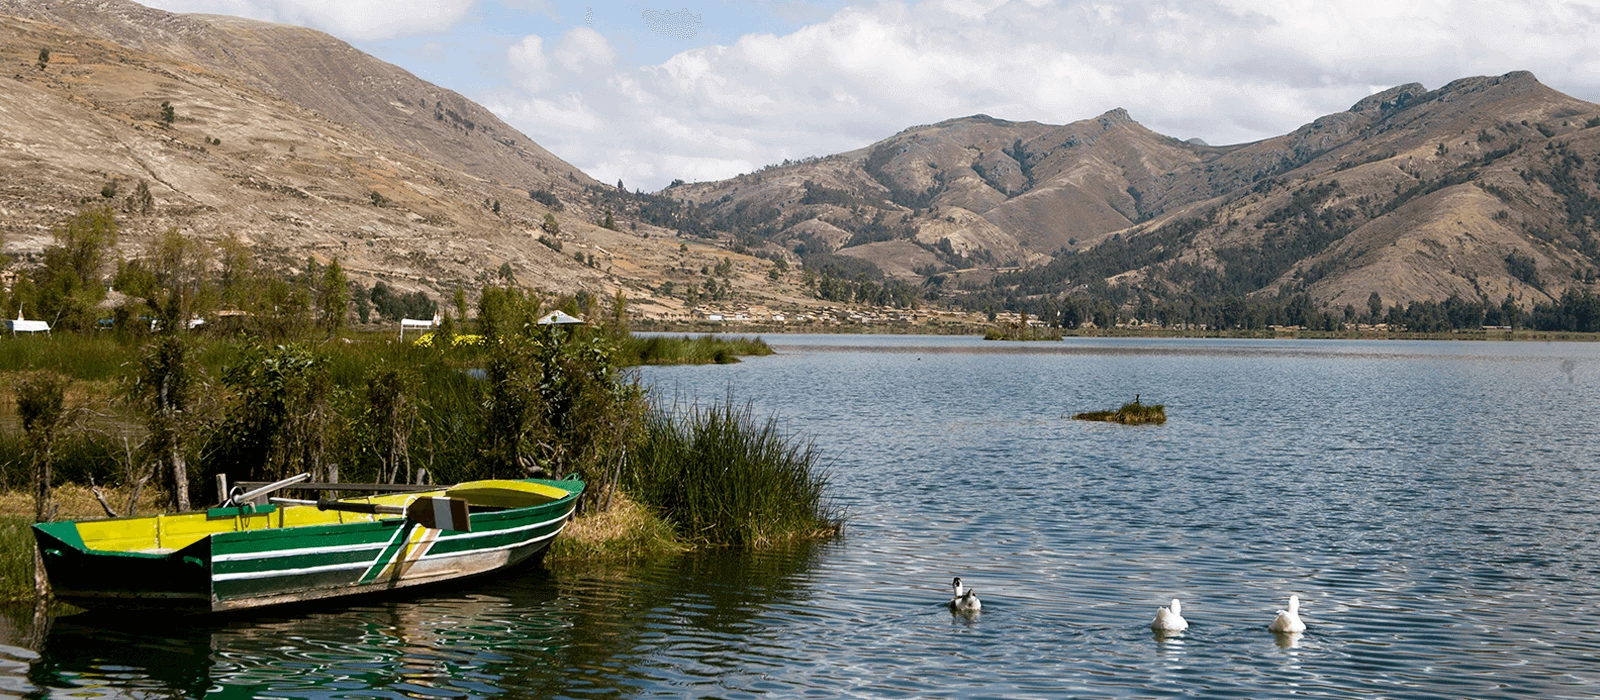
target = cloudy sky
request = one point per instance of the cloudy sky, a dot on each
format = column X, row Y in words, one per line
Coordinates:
column 699, row 90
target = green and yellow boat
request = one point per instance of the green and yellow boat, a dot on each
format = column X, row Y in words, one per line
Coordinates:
column 246, row 556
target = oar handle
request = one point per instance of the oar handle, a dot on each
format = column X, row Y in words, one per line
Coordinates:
column 327, row 504
column 433, row 512
column 374, row 508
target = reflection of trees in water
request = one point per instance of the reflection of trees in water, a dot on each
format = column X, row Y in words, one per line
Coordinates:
column 621, row 620
column 530, row 632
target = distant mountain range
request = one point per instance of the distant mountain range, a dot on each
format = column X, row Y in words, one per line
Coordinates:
column 1412, row 194
column 302, row 146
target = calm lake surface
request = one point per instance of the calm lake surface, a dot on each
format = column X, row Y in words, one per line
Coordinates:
column 1435, row 505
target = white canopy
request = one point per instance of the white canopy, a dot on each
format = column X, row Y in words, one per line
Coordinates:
column 22, row 325
column 558, row 318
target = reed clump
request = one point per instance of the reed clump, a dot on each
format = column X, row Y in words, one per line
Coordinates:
column 688, row 350
column 16, row 558
column 1132, row 413
column 724, row 478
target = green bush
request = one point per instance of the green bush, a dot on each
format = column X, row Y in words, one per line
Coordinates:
column 724, row 478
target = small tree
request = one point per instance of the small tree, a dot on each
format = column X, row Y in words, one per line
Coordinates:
column 460, row 298
column 163, row 391
column 550, row 225
column 141, row 201
column 69, row 283
column 41, row 410
column 44, row 58
column 392, row 416
column 333, row 299
column 609, row 222
column 168, row 114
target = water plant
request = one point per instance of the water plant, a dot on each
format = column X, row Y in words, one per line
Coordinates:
column 1132, row 413
column 686, row 350
column 722, row 477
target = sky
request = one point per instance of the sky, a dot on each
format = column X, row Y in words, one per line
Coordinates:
column 649, row 92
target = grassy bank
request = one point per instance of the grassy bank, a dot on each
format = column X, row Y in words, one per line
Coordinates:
column 627, row 531
column 687, row 350
column 1133, row 413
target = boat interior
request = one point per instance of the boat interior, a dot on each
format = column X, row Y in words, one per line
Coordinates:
column 162, row 534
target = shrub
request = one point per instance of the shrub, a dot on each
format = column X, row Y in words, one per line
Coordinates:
column 724, row 478
column 1523, row 267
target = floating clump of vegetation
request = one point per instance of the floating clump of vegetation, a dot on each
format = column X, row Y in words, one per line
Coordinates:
column 686, row 350
column 1132, row 413
column 723, row 478
column 1017, row 331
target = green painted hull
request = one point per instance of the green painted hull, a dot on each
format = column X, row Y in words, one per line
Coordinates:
column 252, row 568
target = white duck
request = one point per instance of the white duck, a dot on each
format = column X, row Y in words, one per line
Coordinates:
column 965, row 599
column 1170, row 619
column 1288, row 621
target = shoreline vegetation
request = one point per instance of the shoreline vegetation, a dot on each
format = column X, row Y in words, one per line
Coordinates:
column 1131, row 413
column 978, row 329
column 389, row 403
column 133, row 398
column 1022, row 333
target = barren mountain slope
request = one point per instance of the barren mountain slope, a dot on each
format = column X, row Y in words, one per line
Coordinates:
column 1042, row 187
column 85, row 130
column 327, row 76
column 1414, row 194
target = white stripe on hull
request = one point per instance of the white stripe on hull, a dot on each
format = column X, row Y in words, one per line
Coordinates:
column 273, row 573
column 334, row 549
column 476, row 562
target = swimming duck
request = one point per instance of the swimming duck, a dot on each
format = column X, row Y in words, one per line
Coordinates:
column 1170, row 619
column 1288, row 621
column 965, row 599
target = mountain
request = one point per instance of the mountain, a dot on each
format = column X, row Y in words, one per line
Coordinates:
column 289, row 140
column 301, row 146
column 1483, row 188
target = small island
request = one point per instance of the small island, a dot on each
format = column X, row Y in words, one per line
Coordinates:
column 1132, row 413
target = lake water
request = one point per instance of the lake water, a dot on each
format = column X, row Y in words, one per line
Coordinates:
column 1435, row 505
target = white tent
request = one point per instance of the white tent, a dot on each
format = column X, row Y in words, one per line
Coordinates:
column 558, row 318
column 22, row 325
column 417, row 323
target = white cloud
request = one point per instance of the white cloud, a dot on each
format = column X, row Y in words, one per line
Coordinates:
column 583, row 48
column 1223, row 70
column 528, row 61
column 359, row 20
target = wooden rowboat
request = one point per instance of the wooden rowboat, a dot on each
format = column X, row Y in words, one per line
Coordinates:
column 247, row 556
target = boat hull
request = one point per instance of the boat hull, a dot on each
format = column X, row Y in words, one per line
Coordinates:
column 258, row 566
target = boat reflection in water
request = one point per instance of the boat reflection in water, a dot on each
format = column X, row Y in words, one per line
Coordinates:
column 529, row 632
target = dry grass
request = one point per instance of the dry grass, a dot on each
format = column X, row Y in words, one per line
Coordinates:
column 627, row 531
column 77, row 503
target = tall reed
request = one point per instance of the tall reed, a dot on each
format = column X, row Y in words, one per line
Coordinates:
column 722, row 477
